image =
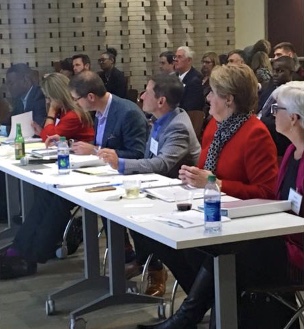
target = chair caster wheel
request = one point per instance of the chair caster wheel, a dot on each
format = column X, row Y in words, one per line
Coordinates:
column 62, row 252
column 79, row 323
column 49, row 307
column 161, row 311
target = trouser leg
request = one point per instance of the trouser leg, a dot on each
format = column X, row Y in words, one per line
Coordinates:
column 38, row 236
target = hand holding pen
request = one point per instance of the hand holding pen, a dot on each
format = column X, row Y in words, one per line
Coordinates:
column 109, row 156
column 83, row 148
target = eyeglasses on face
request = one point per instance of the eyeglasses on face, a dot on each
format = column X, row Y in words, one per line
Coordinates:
column 75, row 99
column 275, row 108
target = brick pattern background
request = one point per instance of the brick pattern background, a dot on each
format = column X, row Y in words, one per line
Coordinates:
column 40, row 32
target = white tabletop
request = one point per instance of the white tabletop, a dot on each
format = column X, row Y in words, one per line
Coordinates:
column 119, row 211
column 240, row 229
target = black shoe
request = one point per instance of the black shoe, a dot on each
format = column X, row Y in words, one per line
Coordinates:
column 163, row 325
column 15, row 267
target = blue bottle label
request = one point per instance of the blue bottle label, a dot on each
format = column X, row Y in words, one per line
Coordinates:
column 212, row 210
column 63, row 161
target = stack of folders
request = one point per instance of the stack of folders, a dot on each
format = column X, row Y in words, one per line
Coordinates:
column 253, row 207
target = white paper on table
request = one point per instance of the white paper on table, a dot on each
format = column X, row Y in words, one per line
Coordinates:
column 25, row 119
column 180, row 219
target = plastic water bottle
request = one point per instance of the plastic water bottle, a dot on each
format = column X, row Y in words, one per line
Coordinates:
column 212, row 206
column 63, row 157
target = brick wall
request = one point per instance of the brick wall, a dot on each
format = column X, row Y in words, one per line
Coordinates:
column 39, row 32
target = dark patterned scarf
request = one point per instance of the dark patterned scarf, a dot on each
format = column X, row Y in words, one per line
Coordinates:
column 225, row 130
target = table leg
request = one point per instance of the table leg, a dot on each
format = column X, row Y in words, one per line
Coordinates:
column 117, row 282
column 13, row 208
column 225, row 292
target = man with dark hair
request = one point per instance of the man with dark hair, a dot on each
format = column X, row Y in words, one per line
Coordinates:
column 166, row 62
column 287, row 49
column 172, row 142
column 237, row 57
column 26, row 95
column 120, row 125
column 283, row 67
column 81, row 62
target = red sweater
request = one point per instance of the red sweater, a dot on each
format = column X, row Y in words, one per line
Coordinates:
column 247, row 164
column 69, row 126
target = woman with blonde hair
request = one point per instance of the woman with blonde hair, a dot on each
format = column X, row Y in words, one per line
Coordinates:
column 238, row 149
column 64, row 116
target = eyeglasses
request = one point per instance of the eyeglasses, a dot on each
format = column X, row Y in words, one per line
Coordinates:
column 75, row 99
column 102, row 60
column 275, row 108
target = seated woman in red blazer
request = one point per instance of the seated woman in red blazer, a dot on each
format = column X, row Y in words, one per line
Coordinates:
column 64, row 116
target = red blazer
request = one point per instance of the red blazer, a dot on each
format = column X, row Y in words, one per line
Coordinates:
column 69, row 126
column 247, row 164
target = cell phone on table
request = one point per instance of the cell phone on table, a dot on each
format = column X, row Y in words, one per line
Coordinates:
column 100, row 188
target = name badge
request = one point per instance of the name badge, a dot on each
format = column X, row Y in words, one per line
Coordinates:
column 154, row 146
column 296, row 201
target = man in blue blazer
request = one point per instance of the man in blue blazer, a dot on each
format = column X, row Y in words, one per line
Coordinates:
column 120, row 125
column 26, row 94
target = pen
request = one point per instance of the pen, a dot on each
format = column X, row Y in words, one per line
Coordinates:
column 149, row 181
column 36, row 172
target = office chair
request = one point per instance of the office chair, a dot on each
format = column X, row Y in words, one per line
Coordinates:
column 277, row 292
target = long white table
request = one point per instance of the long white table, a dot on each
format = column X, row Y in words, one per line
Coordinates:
column 112, row 289
column 117, row 212
column 238, row 230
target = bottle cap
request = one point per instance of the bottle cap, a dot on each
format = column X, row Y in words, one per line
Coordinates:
column 62, row 139
column 211, row 178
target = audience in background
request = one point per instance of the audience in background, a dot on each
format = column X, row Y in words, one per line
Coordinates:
column 66, row 67
column 282, row 68
column 287, row 49
column 261, row 66
column 166, row 62
column 192, row 101
column 113, row 79
column 236, row 57
column 81, row 62
column 209, row 61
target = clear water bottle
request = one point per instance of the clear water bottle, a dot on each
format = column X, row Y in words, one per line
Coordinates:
column 63, row 157
column 212, row 206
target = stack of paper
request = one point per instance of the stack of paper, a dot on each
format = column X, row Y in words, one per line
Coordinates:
column 253, row 207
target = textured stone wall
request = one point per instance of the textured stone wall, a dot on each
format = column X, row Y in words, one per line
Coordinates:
column 42, row 31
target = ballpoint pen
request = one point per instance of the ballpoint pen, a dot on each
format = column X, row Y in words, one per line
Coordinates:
column 36, row 172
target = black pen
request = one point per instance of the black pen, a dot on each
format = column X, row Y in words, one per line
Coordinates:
column 36, row 172
column 148, row 181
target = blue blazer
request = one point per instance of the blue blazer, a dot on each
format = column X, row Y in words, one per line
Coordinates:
column 35, row 102
column 126, row 129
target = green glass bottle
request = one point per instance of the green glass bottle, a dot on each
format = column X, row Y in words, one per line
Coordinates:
column 19, row 143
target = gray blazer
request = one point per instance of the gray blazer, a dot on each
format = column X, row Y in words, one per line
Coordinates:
column 177, row 145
